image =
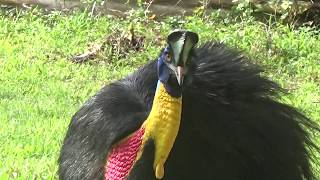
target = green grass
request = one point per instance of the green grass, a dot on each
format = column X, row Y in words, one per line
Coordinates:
column 40, row 88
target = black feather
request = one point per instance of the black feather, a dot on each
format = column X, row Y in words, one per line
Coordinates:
column 116, row 111
column 231, row 127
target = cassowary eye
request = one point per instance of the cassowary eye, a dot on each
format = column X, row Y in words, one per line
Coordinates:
column 168, row 58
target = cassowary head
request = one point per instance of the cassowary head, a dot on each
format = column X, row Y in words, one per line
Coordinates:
column 173, row 61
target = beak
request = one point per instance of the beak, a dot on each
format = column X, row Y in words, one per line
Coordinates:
column 180, row 75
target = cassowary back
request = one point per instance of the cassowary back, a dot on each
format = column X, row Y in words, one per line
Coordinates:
column 245, row 133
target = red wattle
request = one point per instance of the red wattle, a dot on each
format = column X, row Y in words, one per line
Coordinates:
column 121, row 157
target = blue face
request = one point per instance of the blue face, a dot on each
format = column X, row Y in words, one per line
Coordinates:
column 166, row 76
column 163, row 70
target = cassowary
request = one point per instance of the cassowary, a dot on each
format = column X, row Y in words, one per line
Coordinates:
column 200, row 113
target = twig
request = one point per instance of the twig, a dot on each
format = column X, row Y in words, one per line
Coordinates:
column 93, row 7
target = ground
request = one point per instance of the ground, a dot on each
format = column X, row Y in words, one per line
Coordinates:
column 41, row 87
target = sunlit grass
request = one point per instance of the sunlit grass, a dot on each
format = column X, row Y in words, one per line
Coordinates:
column 40, row 88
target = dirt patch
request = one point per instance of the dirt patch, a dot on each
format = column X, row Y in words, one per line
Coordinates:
column 116, row 45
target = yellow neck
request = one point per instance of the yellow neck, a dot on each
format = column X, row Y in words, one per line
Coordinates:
column 162, row 125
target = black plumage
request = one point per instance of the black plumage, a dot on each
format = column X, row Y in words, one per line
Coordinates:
column 231, row 127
